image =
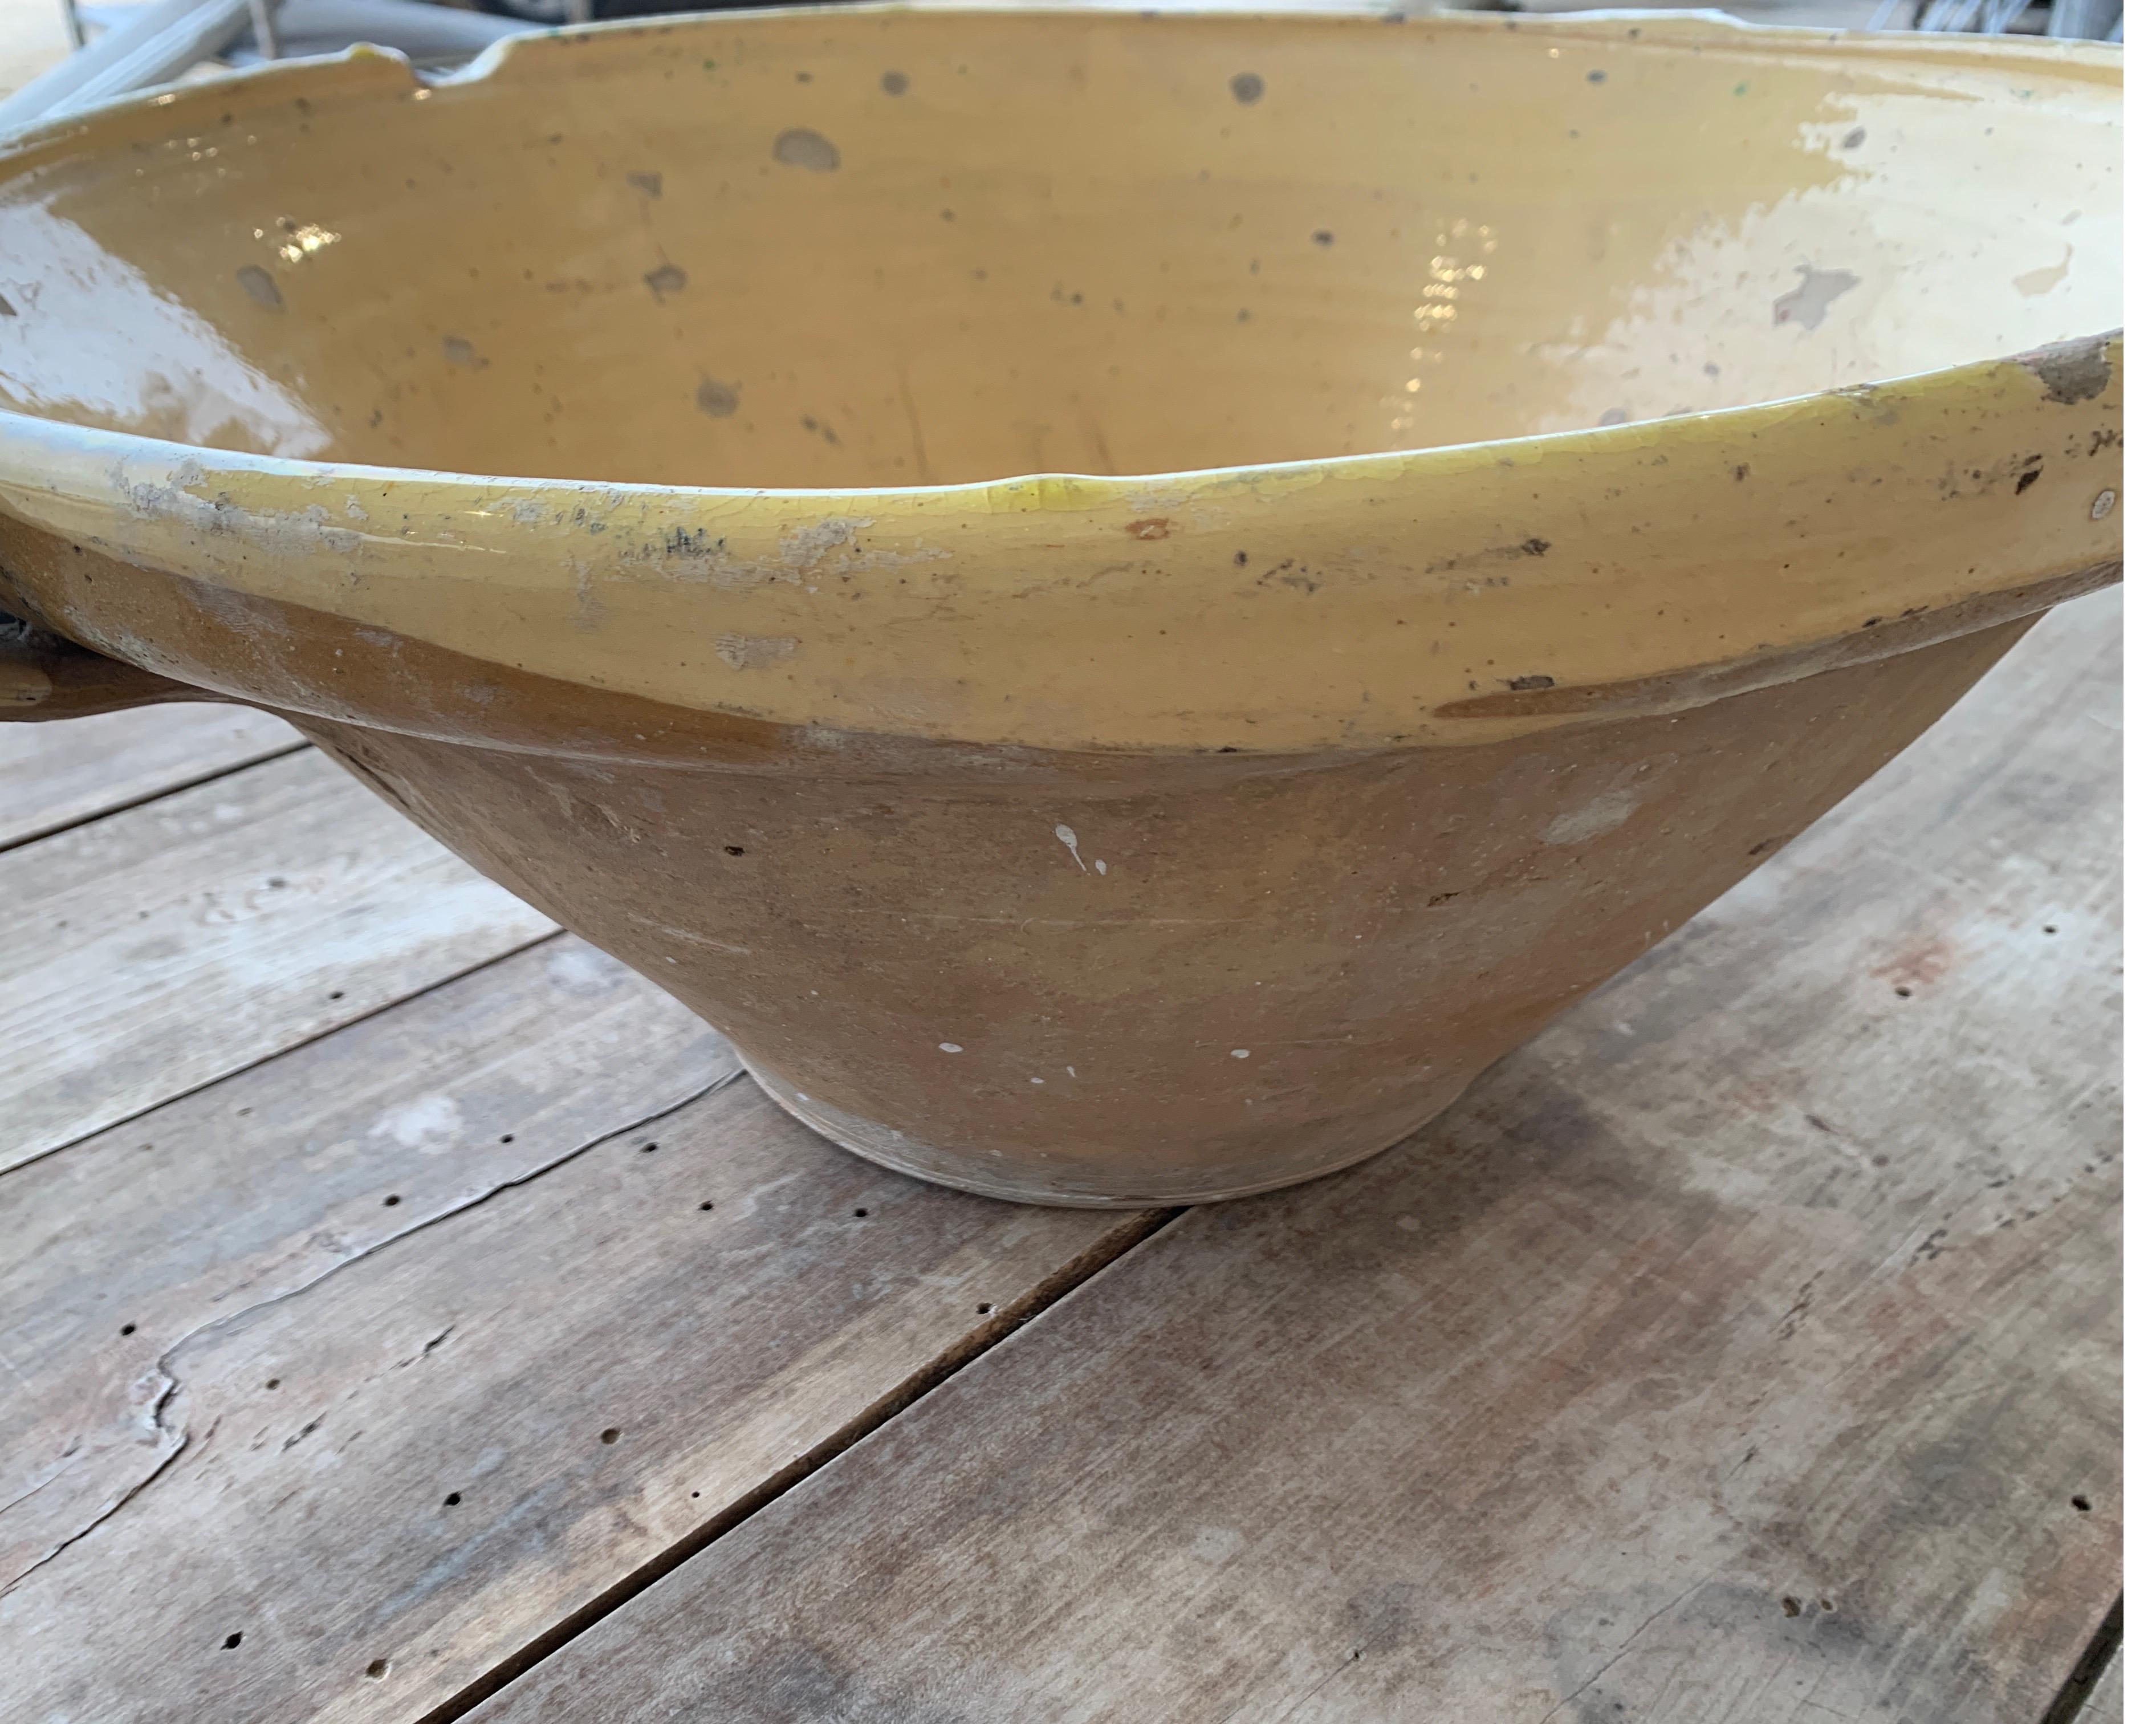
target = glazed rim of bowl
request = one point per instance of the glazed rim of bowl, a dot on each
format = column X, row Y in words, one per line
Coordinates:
column 1624, row 568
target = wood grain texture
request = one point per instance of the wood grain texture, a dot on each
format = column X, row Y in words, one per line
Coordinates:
column 128, row 1245
column 1733, row 1351
column 57, row 775
column 387, row 1480
column 2106, row 1704
column 155, row 951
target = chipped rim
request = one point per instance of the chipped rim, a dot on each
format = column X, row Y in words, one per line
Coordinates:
column 69, row 479
column 1709, row 26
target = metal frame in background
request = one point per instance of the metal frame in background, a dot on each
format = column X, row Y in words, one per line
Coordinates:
column 2089, row 20
column 150, row 44
column 146, row 45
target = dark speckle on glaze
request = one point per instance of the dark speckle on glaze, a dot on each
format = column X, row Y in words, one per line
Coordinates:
column 6, row 309
column 1806, row 302
column 1853, row 138
column 1247, row 86
column 895, row 82
column 261, row 287
column 1323, row 236
column 648, row 183
column 715, row 399
column 801, row 147
column 459, row 352
column 2078, row 371
column 667, row 278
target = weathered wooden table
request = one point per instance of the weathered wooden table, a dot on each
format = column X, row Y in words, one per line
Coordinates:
column 405, row 1313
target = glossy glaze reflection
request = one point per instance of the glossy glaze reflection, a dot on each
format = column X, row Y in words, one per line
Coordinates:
column 945, row 248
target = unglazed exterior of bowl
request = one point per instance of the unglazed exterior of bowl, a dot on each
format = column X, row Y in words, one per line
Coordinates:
column 1124, row 602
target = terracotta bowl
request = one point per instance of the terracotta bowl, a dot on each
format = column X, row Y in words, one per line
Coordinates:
column 1530, row 470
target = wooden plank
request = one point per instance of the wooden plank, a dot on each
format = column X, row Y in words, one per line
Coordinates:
column 133, row 1241
column 361, row 1491
column 155, row 951
column 59, row 775
column 2106, row 1701
column 1735, row 1351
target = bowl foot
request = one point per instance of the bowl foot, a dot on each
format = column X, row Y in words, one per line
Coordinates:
column 979, row 1171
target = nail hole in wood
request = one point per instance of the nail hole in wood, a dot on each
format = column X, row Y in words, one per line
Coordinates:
column 735, row 850
column 378, row 1669
column 649, row 1148
column 1903, row 992
column 453, row 1499
column 705, row 1205
column 273, row 1383
column 2082, row 1504
column 2051, row 928
column 126, row 1328
column 860, row 1214
column 983, row 1310
column 338, row 995
column 611, row 1434
column 1790, row 1607
column 232, row 1639
column 392, row 1201
column 509, row 1137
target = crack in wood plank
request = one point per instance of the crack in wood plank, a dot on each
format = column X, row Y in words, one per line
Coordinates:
column 1623, row 1647
column 1504, row 1388
column 166, row 1373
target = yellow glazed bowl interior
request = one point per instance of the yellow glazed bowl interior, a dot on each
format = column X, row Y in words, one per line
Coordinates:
column 692, row 362
column 820, row 252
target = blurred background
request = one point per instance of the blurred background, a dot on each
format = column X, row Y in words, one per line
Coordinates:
column 59, row 55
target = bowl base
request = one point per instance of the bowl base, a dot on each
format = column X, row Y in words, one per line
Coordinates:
column 976, row 1171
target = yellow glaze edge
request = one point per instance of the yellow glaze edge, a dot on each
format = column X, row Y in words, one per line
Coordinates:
column 1362, row 601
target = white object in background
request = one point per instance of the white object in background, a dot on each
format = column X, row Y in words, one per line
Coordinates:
column 151, row 44
column 428, row 36
column 161, row 42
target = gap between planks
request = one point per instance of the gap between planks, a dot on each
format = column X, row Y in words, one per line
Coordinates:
column 1123, row 1237
column 1722, row 1348
column 421, row 992
column 157, row 950
column 2095, row 1691
column 1817, row 898
column 599, row 1294
column 64, row 773
column 162, row 1382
